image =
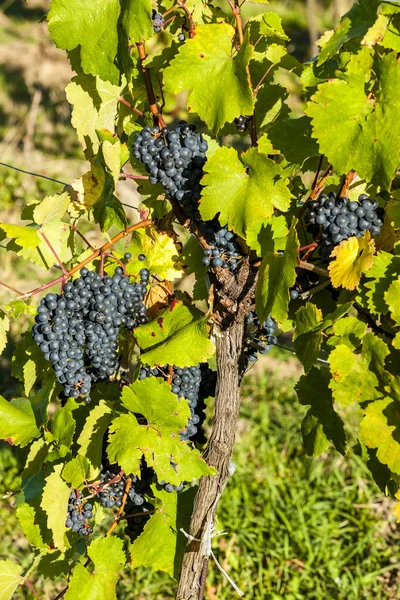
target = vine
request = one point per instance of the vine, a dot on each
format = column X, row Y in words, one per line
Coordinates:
column 269, row 248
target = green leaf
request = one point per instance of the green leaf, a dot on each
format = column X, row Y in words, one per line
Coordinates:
column 4, row 328
column 276, row 276
column 109, row 559
column 192, row 254
column 26, row 515
column 176, row 337
column 307, row 336
column 271, row 26
column 160, row 250
column 10, row 578
column 92, row 30
column 322, row 419
column 95, row 106
column 242, row 198
column 63, row 426
column 268, row 236
column 76, row 471
column 91, row 437
column 343, row 117
column 161, row 545
column 383, row 272
column 283, row 132
column 158, row 439
column 54, row 503
column 137, row 20
column 17, row 421
column 378, row 430
column 108, row 211
column 357, row 377
column 392, row 297
column 216, row 77
column 353, row 24
column 271, row 105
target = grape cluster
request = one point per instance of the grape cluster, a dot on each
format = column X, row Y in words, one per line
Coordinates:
column 79, row 514
column 135, row 524
column 259, row 337
column 223, row 249
column 341, row 219
column 78, row 330
column 174, row 158
column 242, row 123
column 111, row 494
column 158, row 21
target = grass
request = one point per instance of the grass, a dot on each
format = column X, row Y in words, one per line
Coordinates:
column 295, row 527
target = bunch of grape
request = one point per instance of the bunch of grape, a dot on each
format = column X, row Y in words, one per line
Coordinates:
column 259, row 337
column 174, row 158
column 78, row 330
column 158, row 21
column 340, row 219
column 111, row 494
column 79, row 514
column 242, row 123
column 223, row 250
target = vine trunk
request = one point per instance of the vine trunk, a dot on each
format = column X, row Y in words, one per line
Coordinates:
column 229, row 344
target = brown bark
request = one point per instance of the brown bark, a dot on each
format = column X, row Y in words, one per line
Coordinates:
column 229, row 344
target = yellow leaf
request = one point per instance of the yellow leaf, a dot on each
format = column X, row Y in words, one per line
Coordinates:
column 86, row 190
column 396, row 508
column 353, row 257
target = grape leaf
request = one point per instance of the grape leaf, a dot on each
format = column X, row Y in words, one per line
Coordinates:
column 343, row 117
column 271, row 26
column 382, row 273
column 109, row 559
column 284, row 131
column 158, row 439
column 76, row 471
column 307, row 335
column 192, row 255
column 10, row 578
column 276, row 276
column 348, row 331
column 379, row 429
column 357, row 377
column 270, row 105
column 176, row 337
column 242, row 198
column 322, row 419
column 17, row 421
column 217, row 81
column 392, row 297
column 161, row 545
column 268, row 236
column 26, row 515
column 160, row 250
column 354, row 24
column 4, row 328
column 54, row 503
column 91, row 437
column 63, row 426
column 353, row 257
column 137, row 20
column 93, row 30
column 95, row 105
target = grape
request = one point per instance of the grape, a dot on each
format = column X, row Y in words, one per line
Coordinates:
column 158, row 21
column 258, row 334
column 78, row 514
column 242, row 123
column 223, row 251
column 338, row 219
column 181, row 37
column 80, row 337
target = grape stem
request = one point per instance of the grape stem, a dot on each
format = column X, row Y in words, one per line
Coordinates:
column 54, row 253
column 261, row 80
column 157, row 118
column 316, row 188
column 74, row 228
column 350, row 177
column 310, row 267
column 29, row 584
column 89, row 259
column 235, row 8
column 132, row 108
column 113, row 525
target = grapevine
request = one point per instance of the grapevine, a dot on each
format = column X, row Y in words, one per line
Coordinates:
column 270, row 223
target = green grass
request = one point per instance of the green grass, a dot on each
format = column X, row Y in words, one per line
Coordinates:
column 296, row 528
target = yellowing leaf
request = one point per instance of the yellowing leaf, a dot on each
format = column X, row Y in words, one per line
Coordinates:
column 354, row 257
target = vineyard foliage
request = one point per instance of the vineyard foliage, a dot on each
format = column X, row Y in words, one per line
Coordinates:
column 310, row 205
